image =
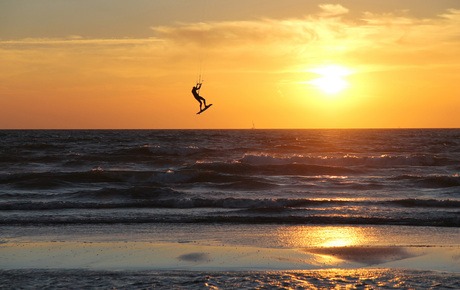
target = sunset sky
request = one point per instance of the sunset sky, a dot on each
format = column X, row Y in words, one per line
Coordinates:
column 77, row 64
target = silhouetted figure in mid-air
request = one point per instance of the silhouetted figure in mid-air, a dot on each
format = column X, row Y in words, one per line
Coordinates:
column 197, row 96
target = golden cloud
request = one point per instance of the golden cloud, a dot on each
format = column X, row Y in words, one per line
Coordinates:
column 333, row 10
column 376, row 40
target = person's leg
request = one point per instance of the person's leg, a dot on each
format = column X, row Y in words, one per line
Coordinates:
column 204, row 101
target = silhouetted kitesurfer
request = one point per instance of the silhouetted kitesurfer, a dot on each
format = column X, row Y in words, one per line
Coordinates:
column 197, row 96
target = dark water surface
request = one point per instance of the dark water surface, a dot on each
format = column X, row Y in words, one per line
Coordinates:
column 381, row 177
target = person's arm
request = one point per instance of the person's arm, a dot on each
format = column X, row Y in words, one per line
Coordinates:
column 198, row 86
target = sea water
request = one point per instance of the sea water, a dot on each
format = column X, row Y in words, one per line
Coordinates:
column 233, row 187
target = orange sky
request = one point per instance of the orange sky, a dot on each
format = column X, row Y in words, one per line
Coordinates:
column 132, row 64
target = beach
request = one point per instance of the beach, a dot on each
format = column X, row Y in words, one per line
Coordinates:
column 147, row 255
column 216, row 254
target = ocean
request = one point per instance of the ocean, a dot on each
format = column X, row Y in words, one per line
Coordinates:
column 379, row 189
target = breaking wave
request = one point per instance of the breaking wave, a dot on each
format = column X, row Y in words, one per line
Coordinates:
column 435, row 181
column 382, row 161
column 230, row 176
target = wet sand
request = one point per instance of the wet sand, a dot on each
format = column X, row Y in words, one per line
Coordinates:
column 190, row 256
column 229, row 248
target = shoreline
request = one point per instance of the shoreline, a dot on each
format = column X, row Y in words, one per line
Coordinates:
column 229, row 247
column 128, row 255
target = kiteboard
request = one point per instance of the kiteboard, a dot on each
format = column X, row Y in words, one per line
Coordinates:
column 205, row 108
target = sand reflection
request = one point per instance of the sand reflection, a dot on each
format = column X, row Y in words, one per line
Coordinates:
column 364, row 255
column 336, row 245
column 351, row 244
column 195, row 257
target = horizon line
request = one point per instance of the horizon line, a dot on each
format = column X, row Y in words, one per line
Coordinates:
column 250, row 129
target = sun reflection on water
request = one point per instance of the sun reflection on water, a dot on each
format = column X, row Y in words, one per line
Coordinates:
column 341, row 237
column 312, row 236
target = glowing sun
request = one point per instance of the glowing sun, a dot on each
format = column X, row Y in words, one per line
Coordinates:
column 332, row 80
